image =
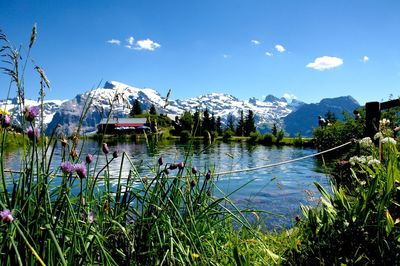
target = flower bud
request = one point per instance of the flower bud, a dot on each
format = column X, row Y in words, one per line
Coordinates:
column 105, row 148
column 160, row 161
column 194, row 170
column 89, row 158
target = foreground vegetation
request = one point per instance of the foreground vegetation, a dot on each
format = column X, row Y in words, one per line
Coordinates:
column 75, row 213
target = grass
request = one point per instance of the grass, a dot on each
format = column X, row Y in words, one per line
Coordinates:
column 67, row 215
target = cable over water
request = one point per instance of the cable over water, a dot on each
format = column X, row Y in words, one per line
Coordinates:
column 248, row 169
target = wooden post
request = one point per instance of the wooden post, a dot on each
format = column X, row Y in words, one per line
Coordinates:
column 372, row 117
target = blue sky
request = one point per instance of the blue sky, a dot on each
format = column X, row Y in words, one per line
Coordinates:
column 307, row 49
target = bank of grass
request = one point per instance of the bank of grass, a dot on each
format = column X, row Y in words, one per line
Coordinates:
column 12, row 141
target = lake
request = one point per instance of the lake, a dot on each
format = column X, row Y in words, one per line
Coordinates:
column 279, row 190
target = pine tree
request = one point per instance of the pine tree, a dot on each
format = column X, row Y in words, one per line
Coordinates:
column 197, row 123
column 186, row 121
column 206, row 121
column 240, row 125
column 213, row 123
column 136, row 108
column 249, row 124
column 230, row 123
column 274, row 130
column 153, row 110
column 219, row 125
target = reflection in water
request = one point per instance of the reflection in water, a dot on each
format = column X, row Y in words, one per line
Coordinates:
column 279, row 189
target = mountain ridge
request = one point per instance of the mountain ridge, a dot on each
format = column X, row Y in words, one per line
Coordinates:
column 272, row 110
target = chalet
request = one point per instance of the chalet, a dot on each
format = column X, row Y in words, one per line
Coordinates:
column 122, row 125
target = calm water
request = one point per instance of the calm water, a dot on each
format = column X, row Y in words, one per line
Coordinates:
column 279, row 189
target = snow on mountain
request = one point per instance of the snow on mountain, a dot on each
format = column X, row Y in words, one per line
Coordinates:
column 121, row 96
column 50, row 107
column 118, row 98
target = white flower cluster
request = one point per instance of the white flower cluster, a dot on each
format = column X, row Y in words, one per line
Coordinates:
column 389, row 140
column 366, row 142
column 384, row 122
column 378, row 135
column 373, row 162
column 369, row 160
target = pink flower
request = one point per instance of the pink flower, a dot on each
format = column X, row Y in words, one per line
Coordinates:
column 80, row 169
column 6, row 121
column 6, row 216
column 31, row 113
column 33, row 133
column 67, row 167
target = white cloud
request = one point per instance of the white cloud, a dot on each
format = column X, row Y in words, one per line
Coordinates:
column 114, row 41
column 268, row 54
column 147, row 45
column 226, row 56
column 255, row 42
column 365, row 59
column 280, row 48
column 289, row 97
column 128, row 46
column 130, row 40
column 325, row 62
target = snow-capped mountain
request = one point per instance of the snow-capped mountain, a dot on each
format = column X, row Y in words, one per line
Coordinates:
column 50, row 107
column 120, row 97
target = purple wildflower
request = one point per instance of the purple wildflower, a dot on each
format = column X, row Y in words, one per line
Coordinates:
column 193, row 183
column 6, row 216
column 115, row 154
column 105, row 148
column 181, row 165
column 194, row 170
column 80, row 169
column 67, row 167
column 33, row 133
column 173, row 166
column 208, row 175
column 31, row 112
column 160, row 161
column 6, row 121
column 89, row 158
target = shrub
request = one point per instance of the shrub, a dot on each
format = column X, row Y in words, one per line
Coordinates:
column 228, row 134
column 185, row 135
column 298, row 140
column 268, row 139
column 358, row 222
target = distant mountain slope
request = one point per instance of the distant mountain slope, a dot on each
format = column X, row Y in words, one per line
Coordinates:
column 305, row 118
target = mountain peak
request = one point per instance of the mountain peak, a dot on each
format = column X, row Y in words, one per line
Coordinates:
column 271, row 98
